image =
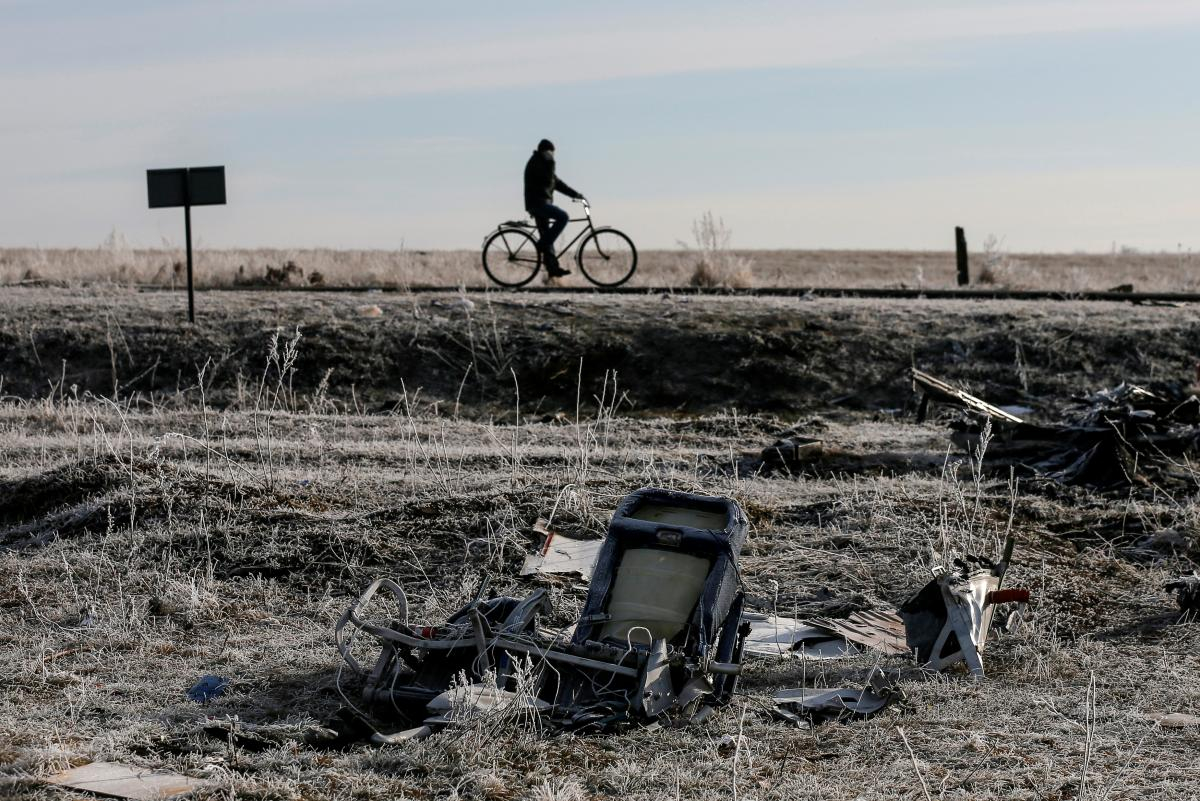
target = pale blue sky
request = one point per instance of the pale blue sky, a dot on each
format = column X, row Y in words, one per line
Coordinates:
column 1059, row 126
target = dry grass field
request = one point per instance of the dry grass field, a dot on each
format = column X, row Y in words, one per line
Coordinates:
column 992, row 267
column 178, row 501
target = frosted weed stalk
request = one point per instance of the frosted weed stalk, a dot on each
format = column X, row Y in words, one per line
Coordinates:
column 714, row 264
column 271, row 397
column 964, row 527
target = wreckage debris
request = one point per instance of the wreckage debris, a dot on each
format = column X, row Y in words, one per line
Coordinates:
column 1187, row 592
column 561, row 554
column 934, row 389
column 208, row 688
column 948, row 620
column 803, row 705
column 1116, row 438
column 126, row 781
column 944, row 623
column 662, row 634
column 785, row 637
column 661, row 630
column 880, row 631
column 416, row 733
column 477, row 698
column 1173, row 720
column 788, row 454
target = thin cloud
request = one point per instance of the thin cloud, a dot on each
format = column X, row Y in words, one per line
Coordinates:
column 635, row 46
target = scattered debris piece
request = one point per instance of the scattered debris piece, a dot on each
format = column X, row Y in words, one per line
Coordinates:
column 788, row 637
column 480, row 697
column 948, row 620
column 934, row 389
column 208, row 688
column 1173, row 720
column 417, row 733
column 789, row 453
column 1187, row 590
column 661, row 630
column 801, row 705
column 561, row 554
column 126, row 781
column 1112, row 439
column 662, row 634
column 878, row 630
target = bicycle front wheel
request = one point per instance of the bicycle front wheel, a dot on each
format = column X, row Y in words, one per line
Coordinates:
column 511, row 257
column 607, row 257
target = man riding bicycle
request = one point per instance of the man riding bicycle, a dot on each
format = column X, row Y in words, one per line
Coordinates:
column 540, row 183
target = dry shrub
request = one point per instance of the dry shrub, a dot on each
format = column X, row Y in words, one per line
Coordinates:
column 715, row 264
column 1000, row 269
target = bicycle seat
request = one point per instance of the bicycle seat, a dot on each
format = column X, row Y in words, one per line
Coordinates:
column 516, row 224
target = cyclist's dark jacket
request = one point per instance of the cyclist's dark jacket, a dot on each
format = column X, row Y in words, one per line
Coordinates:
column 540, row 183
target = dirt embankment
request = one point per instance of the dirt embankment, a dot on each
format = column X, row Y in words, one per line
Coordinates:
column 670, row 353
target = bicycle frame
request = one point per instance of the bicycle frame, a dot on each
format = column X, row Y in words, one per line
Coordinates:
column 587, row 218
column 582, row 231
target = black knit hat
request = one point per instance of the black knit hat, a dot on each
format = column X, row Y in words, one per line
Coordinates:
column 545, row 145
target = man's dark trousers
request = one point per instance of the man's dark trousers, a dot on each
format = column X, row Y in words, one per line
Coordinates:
column 551, row 220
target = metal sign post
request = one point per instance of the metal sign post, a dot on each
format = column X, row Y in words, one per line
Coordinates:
column 187, row 187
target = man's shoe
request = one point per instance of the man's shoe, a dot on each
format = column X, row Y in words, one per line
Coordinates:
column 553, row 267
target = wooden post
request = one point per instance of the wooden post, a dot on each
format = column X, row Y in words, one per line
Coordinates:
column 960, row 247
column 187, row 235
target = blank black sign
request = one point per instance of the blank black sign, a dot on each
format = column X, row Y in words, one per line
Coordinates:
column 167, row 187
column 194, row 186
column 207, row 186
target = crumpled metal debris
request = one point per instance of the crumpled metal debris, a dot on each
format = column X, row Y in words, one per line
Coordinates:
column 785, row 637
column 561, row 554
column 480, row 697
column 934, row 389
column 805, row 704
column 661, row 630
column 948, row 620
column 1187, row 591
column 1125, row 436
column 127, row 781
column 944, row 623
column 788, row 454
column 880, row 630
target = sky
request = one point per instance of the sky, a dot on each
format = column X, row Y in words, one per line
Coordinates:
column 1053, row 125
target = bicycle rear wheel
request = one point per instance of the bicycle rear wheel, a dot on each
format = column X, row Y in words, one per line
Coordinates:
column 511, row 257
column 607, row 257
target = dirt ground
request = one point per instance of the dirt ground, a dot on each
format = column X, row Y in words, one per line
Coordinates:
column 177, row 502
column 671, row 353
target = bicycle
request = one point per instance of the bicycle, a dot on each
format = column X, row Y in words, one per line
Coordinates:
column 605, row 256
